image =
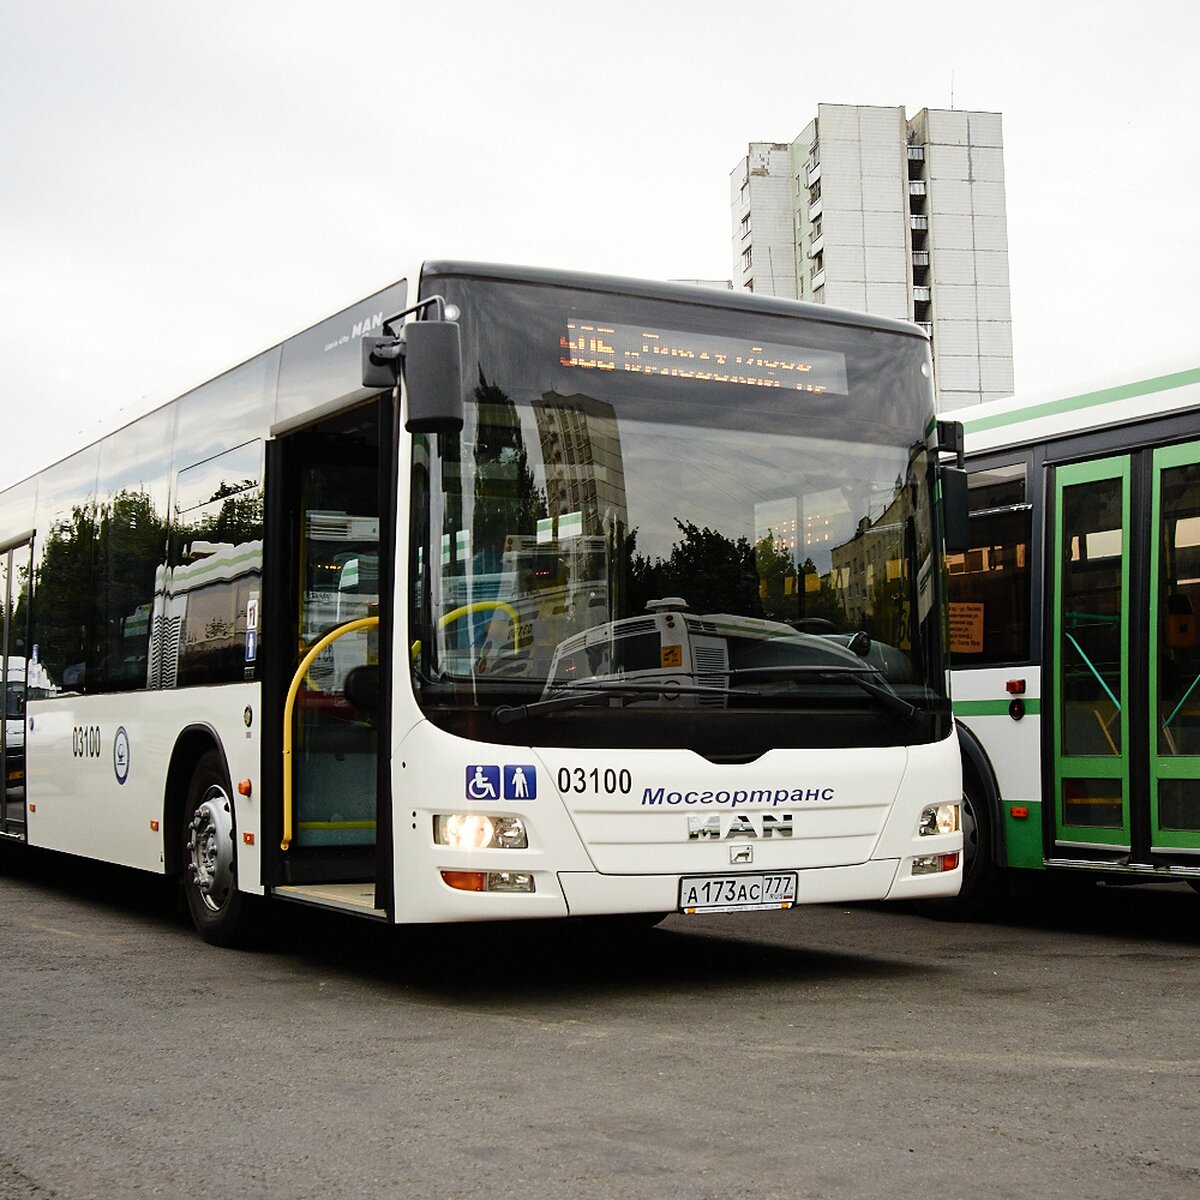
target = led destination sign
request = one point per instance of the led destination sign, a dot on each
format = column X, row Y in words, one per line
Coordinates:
column 597, row 346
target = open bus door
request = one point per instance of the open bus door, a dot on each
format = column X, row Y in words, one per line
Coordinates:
column 328, row 587
column 14, row 679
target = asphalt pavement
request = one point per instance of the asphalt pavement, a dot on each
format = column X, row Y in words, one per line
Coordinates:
column 852, row 1051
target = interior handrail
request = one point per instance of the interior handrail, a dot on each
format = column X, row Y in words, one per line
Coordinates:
column 289, row 706
column 1167, row 722
column 1092, row 667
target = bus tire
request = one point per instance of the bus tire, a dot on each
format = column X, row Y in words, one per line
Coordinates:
column 217, row 908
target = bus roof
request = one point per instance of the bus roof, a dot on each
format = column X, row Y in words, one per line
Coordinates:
column 1021, row 420
column 686, row 293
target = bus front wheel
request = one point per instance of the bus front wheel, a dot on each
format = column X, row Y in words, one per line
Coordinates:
column 209, row 855
column 981, row 877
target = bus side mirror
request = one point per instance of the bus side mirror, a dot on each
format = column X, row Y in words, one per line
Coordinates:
column 433, row 377
column 956, row 510
column 431, row 353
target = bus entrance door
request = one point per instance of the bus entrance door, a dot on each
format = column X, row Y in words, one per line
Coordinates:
column 1126, row 691
column 331, row 684
column 1091, row 731
column 1174, row 654
column 14, row 675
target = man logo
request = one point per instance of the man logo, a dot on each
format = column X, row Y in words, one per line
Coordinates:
column 722, row 826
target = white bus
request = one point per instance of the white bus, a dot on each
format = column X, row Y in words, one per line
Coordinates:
column 504, row 593
column 1073, row 636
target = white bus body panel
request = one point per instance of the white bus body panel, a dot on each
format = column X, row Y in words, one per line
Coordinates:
column 1039, row 416
column 613, row 831
column 97, row 769
column 1014, row 748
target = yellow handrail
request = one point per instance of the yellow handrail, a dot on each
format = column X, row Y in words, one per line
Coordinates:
column 481, row 606
column 353, row 627
column 289, row 707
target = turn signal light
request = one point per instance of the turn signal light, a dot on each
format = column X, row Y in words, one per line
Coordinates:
column 466, row 881
column 489, row 881
column 934, row 864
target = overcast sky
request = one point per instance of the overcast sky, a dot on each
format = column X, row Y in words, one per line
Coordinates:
column 185, row 184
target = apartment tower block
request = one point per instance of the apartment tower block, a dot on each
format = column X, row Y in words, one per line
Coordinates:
column 868, row 210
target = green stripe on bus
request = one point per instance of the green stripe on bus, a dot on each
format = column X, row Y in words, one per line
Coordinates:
column 994, row 708
column 1144, row 387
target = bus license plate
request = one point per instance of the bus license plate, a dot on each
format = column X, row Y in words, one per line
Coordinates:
column 736, row 893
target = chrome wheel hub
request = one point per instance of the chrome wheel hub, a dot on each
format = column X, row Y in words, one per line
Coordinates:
column 210, row 848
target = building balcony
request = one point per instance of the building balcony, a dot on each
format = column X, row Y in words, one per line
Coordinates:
column 916, row 187
column 812, row 173
column 920, row 258
column 921, row 295
column 818, row 244
column 918, row 223
column 927, row 326
column 916, row 154
column 815, row 210
column 818, row 279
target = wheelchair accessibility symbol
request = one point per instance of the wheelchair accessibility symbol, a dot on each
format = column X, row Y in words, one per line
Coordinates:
column 487, row 781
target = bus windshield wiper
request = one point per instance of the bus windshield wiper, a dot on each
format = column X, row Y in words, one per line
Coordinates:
column 577, row 695
column 867, row 678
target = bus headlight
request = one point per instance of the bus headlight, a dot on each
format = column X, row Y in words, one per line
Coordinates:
column 474, row 831
column 941, row 818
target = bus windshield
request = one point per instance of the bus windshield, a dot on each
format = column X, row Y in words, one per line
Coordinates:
column 683, row 509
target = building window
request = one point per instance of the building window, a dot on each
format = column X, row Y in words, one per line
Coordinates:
column 745, row 225
column 747, row 258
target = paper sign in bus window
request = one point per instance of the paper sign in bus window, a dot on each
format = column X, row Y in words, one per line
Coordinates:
column 966, row 628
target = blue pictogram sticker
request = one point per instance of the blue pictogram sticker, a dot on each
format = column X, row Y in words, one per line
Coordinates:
column 520, row 783
column 483, row 782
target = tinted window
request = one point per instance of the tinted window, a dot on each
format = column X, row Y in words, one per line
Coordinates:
column 208, row 629
column 63, row 564
column 131, row 525
column 990, row 583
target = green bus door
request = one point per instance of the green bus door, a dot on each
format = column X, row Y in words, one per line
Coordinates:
column 1091, row 656
column 1126, row 659
column 1174, row 652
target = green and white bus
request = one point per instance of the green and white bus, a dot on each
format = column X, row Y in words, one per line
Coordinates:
column 1073, row 636
column 618, row 598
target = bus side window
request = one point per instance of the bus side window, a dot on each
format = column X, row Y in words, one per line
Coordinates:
column 990, row 582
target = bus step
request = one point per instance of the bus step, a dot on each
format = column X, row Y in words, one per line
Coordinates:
column 356, row 898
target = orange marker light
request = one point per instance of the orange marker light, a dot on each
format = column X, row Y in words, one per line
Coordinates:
column 465, row 881
column 248, row 838
column 1019, row 812
column 154, row 826
column 244, row 787
column 1015, row 687
column 949, row 861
